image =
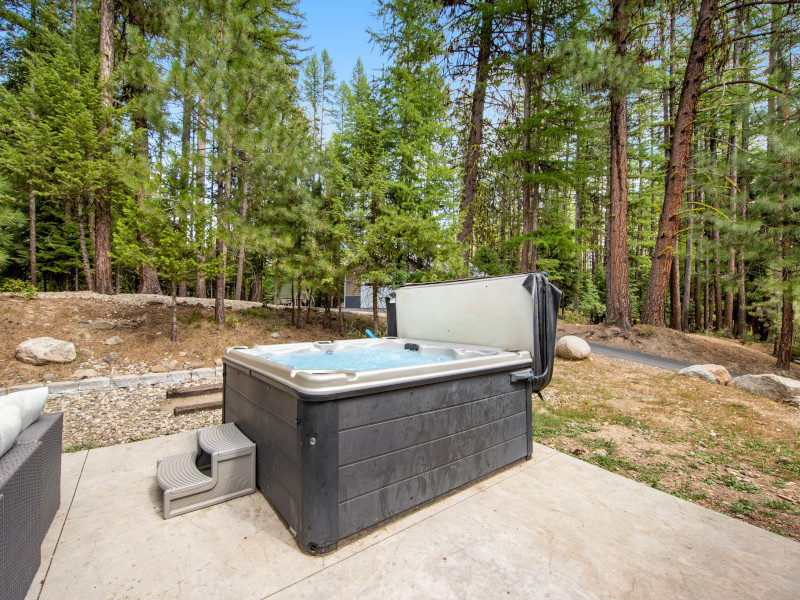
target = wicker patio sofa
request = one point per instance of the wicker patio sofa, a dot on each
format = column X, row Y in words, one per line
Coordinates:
column 30, row 494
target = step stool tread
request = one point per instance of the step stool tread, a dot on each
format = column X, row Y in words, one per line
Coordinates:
column 179, row 472
column 225, row 439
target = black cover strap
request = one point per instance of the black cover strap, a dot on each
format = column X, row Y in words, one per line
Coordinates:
column 546, row 301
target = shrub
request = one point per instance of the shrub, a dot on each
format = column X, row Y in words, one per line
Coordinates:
column 18, row 288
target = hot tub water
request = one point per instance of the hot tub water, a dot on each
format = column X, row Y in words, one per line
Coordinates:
column 362, row 359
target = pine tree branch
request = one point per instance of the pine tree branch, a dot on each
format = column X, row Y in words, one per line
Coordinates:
column 736, row 6
column 750, row 81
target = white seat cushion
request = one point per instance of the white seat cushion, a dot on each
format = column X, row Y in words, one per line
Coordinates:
column 29, row 402
column 10, row 426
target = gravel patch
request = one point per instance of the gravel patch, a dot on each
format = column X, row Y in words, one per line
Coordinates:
column 120, row 416
column 145, row 299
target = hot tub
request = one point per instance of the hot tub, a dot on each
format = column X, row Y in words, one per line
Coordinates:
column 340, row 449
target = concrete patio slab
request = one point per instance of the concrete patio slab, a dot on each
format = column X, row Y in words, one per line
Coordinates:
column 71, row 467
column 553, row 527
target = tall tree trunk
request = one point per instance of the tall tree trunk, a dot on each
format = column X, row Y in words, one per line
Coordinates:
column 744, row 190
column 618, row 298
column 341, row 315
column 224, row 201
column 294, row 318
column 699, row 323
column 148, row 276
column 707, row 318
column 237, row 294
column 31, row 192
column 784, row 362
column 374, row 305
column 102, row 247
column 87, row 269
column 715, row 230
column 734, row 176
column 675, row 296
column 687, row 277
column 667, row 238
column 257, row 287
column 32, row 233
column 527, row 217
column 200, row 183
column 786, row 339
column 298, row 322
column 576, row 298
column 475, row 138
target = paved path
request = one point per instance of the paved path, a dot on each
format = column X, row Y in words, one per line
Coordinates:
column 640, row 357
column 647, row 359
column 553, row 527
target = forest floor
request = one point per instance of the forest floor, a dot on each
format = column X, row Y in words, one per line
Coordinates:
column 714, row 445
column 717, row 446
column 143, row 324
column 750, row 358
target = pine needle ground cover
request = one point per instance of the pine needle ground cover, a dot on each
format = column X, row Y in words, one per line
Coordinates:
column 725, row 449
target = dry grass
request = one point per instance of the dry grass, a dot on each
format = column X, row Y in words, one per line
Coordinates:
column 728, row 450
column 148, row 343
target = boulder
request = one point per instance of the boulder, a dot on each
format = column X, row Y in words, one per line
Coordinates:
column 45, row 350
column 113, row 341
column 85, row 374
column 572, row 348
column 699, row 372
column 103, row 325
column 772, row 386
column 720, row 372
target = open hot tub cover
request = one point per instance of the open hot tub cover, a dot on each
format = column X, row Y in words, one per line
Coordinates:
column 513, row 312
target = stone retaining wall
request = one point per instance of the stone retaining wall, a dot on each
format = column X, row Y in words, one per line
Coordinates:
column 98, row 384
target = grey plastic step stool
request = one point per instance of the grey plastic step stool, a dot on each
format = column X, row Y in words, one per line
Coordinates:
column 222, row 468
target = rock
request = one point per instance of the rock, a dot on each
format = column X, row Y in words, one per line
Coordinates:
column 111, row 358
column 103, row 325
column 572, row 348
column 699, row 372
column 85, row 374
column 218, row 362
column 159, row 369
column 49, row 376
column 92, row 384
column 275, row 336
column 601, row 452
column 113, row 341
column 720, row 372
column 205, row 373
column 771, row 386
column 183, row 353
column 45, row 350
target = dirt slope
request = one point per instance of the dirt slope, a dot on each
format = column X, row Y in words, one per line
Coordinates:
column 688, row 347
column 143, row 323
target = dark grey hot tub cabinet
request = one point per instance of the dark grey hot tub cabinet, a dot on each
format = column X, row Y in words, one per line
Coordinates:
column 335, row 464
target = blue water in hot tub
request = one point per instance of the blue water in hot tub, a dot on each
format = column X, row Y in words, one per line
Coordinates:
column 362, row 359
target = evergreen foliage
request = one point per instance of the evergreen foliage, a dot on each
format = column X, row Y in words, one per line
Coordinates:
column 228, row 152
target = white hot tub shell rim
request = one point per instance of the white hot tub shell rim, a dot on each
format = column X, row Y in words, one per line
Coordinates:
column 326, row 384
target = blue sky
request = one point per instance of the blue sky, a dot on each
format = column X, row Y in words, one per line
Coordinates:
column 340, row 28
